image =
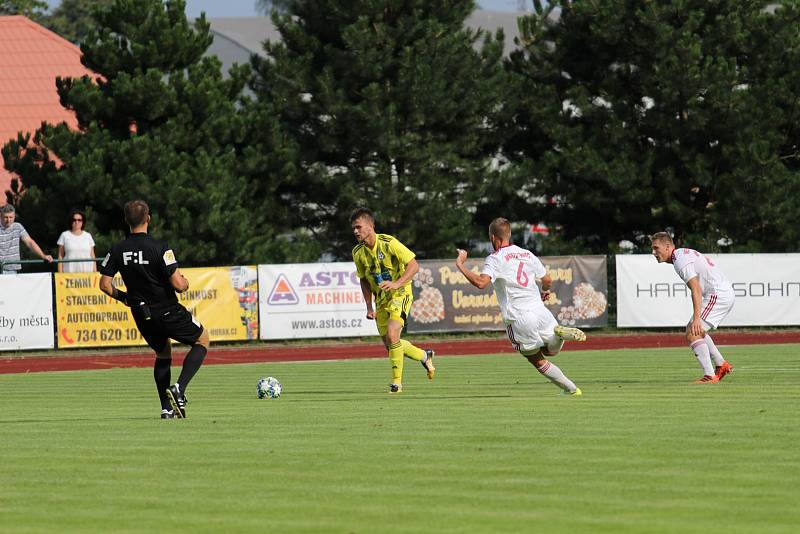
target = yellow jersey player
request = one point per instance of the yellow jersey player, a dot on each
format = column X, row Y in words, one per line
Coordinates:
column 385, row 268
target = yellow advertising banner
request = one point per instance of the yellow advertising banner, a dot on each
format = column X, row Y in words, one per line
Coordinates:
column 86, row 317
column 224, row 300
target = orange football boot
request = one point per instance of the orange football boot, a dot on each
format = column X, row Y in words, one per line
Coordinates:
column 723, row 370
column 707, row 379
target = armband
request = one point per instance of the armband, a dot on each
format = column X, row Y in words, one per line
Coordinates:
column 119, row 295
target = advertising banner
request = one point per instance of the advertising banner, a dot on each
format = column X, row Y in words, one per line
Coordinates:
column 26, row 311
column 766, row 286
column 224, row 299
column 309, row 300
column 444, row 301
column 86, row 317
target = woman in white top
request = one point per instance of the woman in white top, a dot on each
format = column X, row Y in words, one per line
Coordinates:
column 75, row 244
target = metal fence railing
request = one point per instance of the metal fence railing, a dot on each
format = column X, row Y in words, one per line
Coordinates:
column 40, row 263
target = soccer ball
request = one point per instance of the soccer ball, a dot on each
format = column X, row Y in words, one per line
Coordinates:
column 268, row 388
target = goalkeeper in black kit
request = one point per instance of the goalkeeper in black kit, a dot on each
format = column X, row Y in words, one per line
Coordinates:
column 150, row 272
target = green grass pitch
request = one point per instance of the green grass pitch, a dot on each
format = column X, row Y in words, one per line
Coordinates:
column 488, row 446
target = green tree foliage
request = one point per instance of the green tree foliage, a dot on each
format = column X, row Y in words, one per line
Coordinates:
column 390, row 106
column 33, row 9
column 72, row 19
column 631, row 117
column 267, row 6
column 158, row 122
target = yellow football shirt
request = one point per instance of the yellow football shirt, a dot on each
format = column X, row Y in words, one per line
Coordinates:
column 385, row 261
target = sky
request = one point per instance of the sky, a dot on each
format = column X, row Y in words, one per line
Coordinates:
column 246, row 8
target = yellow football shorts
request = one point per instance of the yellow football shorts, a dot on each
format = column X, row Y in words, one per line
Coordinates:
column 394, row 310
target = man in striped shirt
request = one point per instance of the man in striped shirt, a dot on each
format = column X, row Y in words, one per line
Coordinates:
column 11, row 233
column 712, row 300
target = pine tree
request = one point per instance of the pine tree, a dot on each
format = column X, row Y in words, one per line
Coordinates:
column 158, row 122
column 632, row 117
column 72, row 19
column 33, row 9
column 267, row 6
column 390, row 105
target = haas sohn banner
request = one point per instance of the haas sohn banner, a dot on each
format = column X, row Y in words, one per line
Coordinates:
column 766, row 288
column 224, row 299
column 444, row 301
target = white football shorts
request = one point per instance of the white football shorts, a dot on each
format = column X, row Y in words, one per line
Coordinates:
column 715, row 308
column 532, row 330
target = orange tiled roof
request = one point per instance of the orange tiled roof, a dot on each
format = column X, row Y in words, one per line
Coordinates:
column 31, row 57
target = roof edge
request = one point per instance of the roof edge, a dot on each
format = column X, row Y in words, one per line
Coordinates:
column 232, row 40
column 48, row 33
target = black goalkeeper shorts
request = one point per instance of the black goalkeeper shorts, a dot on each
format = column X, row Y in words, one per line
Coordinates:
column 172, row 321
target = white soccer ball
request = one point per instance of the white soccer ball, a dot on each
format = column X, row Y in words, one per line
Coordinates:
column 268, row 388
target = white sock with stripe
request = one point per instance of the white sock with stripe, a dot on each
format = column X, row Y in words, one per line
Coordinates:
column 716, row 355
column 556, row 376
column 701, row 352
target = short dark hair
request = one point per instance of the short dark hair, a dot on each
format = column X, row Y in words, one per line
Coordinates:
column 362, row 212
column 72, row 214
column 136, row 212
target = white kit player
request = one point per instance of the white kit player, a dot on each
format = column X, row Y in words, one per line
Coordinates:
column 531, row 327
column 712, row 300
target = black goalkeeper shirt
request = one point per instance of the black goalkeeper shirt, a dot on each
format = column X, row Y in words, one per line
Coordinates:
column 146, row 266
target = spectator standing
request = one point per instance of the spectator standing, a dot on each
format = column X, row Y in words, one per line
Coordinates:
column 11, row 233
column 76, row 244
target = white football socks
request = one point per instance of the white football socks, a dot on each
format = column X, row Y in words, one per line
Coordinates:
column 701, row 352
column 716, row 355
column 556, row 376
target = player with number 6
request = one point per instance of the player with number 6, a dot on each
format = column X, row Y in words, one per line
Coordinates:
column 530, row 326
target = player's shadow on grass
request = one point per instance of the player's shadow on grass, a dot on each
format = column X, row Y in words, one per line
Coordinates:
column 370, row 396
column 440, row 397
column 74, row 420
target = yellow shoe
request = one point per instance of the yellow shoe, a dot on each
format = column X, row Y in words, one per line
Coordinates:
column 428, row 364
column 395, row 388
column 576, row 393
column 568, row 333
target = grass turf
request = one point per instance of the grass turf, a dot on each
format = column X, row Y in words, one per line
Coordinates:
column 486, row 447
